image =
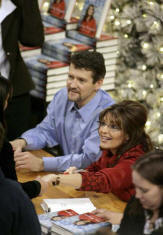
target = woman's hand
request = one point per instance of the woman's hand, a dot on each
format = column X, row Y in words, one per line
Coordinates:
column 112, row 217
column 46, row 181
column 44, row 185
column 73, row 170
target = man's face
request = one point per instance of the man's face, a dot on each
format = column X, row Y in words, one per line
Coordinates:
column 80, row 86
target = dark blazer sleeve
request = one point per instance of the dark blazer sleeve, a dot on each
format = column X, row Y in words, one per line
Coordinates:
column 32, row 188
column 17, row 215
column 7, row 165
column 31, row 28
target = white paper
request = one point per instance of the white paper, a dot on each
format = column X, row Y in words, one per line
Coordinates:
column 80, row 205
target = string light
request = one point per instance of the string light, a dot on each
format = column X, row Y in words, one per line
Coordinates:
column 117, row 10
column 161, row 49
column 160, row 138
column 158, row 114
column 130, row 84
column 148, row 124
column 111, row 17
column 144, row 93
column 45, row 7
column 151, row 86
column 116, row 22
column 145, row 45
column 128, row 21
column 125, row 35
column 144, row 67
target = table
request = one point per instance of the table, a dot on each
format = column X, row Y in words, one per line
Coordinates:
column 100, row 200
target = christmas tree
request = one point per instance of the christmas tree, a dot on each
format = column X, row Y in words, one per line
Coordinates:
column 139, row 26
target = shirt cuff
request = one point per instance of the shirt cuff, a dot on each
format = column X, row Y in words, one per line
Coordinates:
column 49, row 163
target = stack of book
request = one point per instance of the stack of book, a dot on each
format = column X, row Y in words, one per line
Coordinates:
column 109, row 47
column 68, row 217
column 29, row 51
column 54, row 24
column 82, row 34
column 48, row 74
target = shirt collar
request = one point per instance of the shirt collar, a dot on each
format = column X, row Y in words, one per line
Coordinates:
column 6, row 8
column 87, row 109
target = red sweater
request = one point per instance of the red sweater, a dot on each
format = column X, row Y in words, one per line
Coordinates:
column 58, row 9
column 88, row 27
column 103, row 176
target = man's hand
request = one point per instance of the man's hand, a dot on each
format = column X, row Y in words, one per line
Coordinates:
column 112, row 217
column 18, row 145
column 27, row 160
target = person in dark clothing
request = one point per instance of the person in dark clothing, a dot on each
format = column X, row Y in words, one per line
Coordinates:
column 7, row 163
column 17, row 215
column 20, row 22
column 144, row 212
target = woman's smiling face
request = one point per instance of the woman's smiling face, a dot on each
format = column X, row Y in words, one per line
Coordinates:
column 111, row 135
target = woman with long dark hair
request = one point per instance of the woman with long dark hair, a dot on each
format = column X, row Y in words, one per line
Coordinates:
column 88, row 24
column 123, row 140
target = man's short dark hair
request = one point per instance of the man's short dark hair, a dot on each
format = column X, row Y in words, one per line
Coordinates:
column 91, row 61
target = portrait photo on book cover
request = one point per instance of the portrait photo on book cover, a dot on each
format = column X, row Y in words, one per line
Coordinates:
column 57, row 8
column 90, row 17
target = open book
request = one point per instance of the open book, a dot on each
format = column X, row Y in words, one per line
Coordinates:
column 68, row 203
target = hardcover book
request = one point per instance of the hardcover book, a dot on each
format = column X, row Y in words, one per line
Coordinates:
column 106, row 40
column 41, row 78
column 46, row 220
column 46, row 65
column 62, row 49
column 59, row 12
column 87, row 223
column 52, row 32
column 29, row 51
column 91, row 21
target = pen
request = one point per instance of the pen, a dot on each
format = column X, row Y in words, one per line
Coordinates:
column 76, row 171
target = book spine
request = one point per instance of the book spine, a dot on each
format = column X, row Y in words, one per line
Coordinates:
column 69, row 10
column 103, row 17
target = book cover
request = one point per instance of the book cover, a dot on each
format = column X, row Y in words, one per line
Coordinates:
column 46, row 65
column 59, row 12
column 62, row 49
column 53, row 33
column 46, row 220
column 86, row 223
column 91, row 21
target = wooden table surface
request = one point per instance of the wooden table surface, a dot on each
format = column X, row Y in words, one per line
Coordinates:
column 100, row 200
